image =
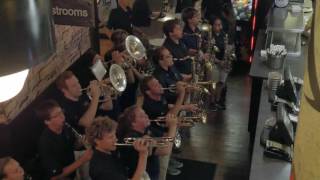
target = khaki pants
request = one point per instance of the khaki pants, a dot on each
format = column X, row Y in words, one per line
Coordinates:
column 82, row 171
column 164, row 163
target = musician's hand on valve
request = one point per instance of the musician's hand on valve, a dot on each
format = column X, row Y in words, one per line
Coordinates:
column 171, row 120
column 94, row 89
column 191, row 107
column 186, row 77
column 141, row 145
column 117, row 57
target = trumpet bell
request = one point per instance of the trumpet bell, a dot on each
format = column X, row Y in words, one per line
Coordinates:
column 135, row 47
column 118, row 77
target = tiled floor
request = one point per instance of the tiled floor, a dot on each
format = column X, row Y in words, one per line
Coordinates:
column 224, row 140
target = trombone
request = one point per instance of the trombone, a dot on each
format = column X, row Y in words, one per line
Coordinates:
column 154, row 141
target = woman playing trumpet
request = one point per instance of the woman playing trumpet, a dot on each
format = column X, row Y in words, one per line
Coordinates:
column 104, row 164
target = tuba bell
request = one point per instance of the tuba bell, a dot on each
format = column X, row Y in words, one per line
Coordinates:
column 135, row 51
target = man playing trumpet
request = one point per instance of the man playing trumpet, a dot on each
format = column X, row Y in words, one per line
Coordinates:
column 79, row 112
column 155, row 105
column 56, row 144
column 134, row 122
column 104, row 163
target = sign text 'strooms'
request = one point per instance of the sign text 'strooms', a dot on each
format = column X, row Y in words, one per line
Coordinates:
column 75, row 12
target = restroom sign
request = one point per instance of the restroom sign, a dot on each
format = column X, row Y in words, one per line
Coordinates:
column 73, row 12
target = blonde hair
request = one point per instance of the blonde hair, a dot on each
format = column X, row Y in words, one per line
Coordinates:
column 98, row 128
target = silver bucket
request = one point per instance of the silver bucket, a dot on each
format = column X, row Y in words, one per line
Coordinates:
column 275, row 61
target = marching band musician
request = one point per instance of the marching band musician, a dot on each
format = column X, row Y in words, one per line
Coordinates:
column 177, row 48
column 155, row 105
column 56, row 144
column 166, row 72
column 219, row 36
column 121, row 17
column 191, row 32
column 196, row 43
column 104, row 163
column 10, row 169
column 82, row 70
column 134, row 122
column 117, row 55
column 79, row 111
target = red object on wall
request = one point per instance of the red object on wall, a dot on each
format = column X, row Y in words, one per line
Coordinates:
column 253, row 28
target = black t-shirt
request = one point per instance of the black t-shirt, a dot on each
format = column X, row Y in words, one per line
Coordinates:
column 180, row 55
column 219, row 39
column 166, row 79
column 120, row 19
column 156, row 109
column 56, row 152
column 74, row 110
column 130, row 157
column 105, row 166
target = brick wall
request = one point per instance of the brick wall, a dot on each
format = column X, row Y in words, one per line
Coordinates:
column 71, row 43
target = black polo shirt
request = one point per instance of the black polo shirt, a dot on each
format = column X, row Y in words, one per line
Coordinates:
column 56, row 152
column 219, row 39
column 154, row 109
column 120, row 19
column 166, row 79
column 106, row 166
column 130, row 157
column 180, row 55
column 191, row 38
column 74, row 110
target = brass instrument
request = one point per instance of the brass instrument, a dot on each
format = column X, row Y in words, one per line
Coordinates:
column 187, row 121
column 196, row 85
column 154, row 141
column 81, row 140
column 136, row 56
column 117, row 79
column 135, row 51
column 229, row 54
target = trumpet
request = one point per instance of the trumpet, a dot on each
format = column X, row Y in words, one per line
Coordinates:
column 173, row 87
column 154, row 141
column 188, row 121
